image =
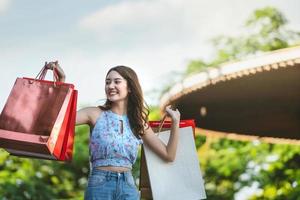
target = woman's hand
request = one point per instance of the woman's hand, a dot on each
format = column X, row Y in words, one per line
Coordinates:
column 174, row 114
column 166, row 152
column 56, row 67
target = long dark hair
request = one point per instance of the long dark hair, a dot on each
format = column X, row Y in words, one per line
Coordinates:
column 137, row 109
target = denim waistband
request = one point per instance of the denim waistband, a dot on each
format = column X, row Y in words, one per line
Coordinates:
column 96, row 171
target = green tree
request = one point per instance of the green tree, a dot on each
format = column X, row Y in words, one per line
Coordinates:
column 27, row 178
column 265, row 30
column 229, row 166
column 196, row 66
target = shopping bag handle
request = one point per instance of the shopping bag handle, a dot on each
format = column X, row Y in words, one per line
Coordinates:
column 42, row 74
column 162, row 121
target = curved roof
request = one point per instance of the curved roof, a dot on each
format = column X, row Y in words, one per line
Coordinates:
column 258, row 96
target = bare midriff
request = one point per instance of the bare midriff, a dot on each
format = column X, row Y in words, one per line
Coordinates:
column 113, row 168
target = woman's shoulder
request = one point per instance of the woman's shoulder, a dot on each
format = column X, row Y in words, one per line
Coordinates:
column 93, row 113
column 92, row 110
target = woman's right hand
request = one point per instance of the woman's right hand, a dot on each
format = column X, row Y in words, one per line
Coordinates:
column 174, row 114
column 60, row 72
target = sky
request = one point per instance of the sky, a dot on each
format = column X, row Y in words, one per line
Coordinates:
column 154, row 37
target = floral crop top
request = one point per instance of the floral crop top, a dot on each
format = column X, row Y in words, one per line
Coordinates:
column 112, row 142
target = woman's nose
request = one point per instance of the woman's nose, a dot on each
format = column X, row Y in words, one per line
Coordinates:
column 111, row 85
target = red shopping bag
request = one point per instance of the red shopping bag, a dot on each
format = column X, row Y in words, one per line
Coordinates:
column 144, row 185
column 167, row 124
column 38, row 119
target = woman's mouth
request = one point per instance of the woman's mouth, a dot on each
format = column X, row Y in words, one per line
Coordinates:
column 112, row 93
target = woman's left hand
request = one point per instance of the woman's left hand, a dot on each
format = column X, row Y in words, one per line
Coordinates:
column 60, row 72
column 174, row 114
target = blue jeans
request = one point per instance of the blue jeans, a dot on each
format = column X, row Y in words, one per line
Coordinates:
column 107, row 185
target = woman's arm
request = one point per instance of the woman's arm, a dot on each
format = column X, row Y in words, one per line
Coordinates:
column 166, row 152
column 87, row 115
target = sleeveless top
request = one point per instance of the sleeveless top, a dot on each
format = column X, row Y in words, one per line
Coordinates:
column 112, row 144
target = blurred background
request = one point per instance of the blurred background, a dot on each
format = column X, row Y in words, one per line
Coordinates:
column 164, row 41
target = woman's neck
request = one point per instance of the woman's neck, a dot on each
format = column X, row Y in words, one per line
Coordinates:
column 119, row 108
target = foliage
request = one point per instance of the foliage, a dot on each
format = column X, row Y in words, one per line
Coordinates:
column 265, row 30
column 229, row 166
column 26, row 178
column 195, row 66
column 154, row 114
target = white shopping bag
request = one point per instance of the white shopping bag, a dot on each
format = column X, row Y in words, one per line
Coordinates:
column 178, row 180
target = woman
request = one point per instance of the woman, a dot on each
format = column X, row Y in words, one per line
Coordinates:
column 117, row 129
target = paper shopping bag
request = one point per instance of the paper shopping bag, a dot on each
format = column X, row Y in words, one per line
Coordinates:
column 38, row 119
column 181, row 179
column 144, row 184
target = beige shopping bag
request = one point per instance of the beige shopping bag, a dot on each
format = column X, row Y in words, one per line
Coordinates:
column 178, row 180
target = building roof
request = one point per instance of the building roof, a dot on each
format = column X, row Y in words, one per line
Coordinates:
column 258, row 96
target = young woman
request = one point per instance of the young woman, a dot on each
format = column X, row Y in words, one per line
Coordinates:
column 117, row 129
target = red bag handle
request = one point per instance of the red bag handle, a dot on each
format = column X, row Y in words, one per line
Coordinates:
column 42, row 74
column 162, row 121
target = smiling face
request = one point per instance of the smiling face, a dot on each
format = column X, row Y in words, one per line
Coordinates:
column 115, row 87
column 122, row 87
